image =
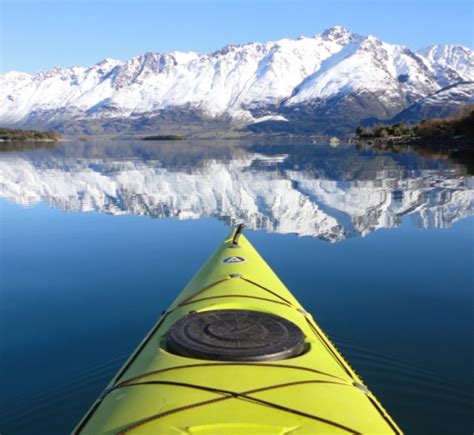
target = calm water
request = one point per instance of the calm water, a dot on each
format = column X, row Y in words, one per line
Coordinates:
column 97, row 239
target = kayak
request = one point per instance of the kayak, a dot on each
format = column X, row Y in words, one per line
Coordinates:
column 236, row 353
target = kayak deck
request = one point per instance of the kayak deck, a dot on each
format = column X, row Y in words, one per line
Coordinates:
column 159, row 391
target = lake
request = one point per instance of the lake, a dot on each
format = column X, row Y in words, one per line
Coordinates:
column 97, row 238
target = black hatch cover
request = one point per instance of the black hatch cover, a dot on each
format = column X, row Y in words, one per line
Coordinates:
column 235, row 335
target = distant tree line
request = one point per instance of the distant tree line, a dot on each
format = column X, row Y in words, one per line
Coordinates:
column 10, row 134
column 459, row 125
column 384, row 131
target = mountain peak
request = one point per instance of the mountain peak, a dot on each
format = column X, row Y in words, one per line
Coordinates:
column 337, row 34
column 444, row 52
column 107, row 60
column 15, row 74
column 107, row 63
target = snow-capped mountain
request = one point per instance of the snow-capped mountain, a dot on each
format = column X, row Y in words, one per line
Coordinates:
column 264, row 191
column 333, row 75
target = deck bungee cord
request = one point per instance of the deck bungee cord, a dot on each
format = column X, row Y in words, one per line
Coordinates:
column 240, row 395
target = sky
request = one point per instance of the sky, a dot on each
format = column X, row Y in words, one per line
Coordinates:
column 38, row 35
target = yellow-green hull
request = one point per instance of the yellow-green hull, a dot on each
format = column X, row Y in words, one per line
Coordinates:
column 158, row 392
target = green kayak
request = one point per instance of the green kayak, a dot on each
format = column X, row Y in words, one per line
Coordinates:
column 236, row 354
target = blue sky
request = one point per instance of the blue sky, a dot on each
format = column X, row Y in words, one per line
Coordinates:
column 41, row 34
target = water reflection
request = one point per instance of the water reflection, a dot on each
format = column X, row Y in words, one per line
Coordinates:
column 311, row 190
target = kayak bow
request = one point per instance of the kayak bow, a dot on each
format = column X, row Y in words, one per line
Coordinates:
column 236, row 354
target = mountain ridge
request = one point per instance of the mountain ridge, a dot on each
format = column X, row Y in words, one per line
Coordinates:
column 319, row 80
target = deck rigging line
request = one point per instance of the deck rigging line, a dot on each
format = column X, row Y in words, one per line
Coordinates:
column 236, row 395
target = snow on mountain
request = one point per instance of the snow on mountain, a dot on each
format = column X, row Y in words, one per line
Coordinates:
column 283, row 201
column 369, row 65
column 241, row 82
column 451, row 63
column 270, row 118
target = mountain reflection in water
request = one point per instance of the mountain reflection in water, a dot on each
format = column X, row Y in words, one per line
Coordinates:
column 310, row 190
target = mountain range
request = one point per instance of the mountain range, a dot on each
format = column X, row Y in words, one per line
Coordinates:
column 328, row 83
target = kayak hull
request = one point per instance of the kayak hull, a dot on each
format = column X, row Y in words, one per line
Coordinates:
column 161, row 391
